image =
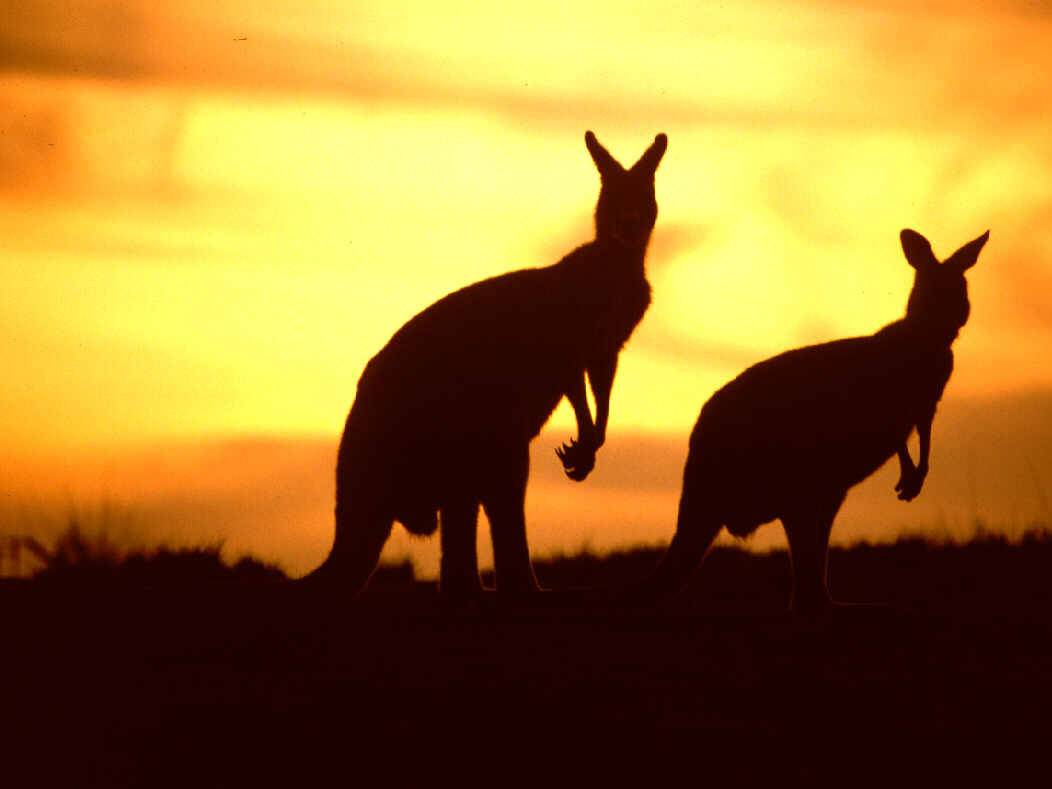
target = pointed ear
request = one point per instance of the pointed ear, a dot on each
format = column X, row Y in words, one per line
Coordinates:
column 652, row 158
column 604, row 162
column 965, row 257
column 917, row 250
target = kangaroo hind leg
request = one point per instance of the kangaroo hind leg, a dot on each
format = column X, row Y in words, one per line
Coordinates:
column 504, row 500
column 807, row 528
column 459, row 573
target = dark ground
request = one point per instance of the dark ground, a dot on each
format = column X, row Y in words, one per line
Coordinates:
column 156, row 677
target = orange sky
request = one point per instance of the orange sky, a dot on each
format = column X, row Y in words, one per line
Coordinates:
column 210, row 218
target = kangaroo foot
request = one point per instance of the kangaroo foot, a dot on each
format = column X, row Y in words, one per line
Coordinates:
column 811, row 605
column 524, row 594
column 461, row 594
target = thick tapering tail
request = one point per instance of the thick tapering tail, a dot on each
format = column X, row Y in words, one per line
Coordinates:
column 696, row 528
column 355, row 552
column 322, row 575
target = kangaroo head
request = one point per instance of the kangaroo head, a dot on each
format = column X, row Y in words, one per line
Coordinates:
column 939, row 299
column 627, row 208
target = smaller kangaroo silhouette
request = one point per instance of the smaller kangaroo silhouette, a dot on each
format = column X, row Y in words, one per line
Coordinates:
column 788, row 437
column 445, row 412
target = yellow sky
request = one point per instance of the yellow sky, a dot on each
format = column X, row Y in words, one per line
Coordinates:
column 211, row 217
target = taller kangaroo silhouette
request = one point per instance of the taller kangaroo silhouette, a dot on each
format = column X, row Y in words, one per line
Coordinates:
column 445, row 412
column 788, row 437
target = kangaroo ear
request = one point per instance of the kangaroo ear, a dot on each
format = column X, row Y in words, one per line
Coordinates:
column 965, row 257
column 652, row 157
column 917, row 250
column 604, row 162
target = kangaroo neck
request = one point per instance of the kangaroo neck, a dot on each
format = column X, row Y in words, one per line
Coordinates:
column 924, row 335
column 625, row 257
column 934, row 333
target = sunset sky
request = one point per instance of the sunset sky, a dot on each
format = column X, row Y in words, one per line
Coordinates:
column 212, row 215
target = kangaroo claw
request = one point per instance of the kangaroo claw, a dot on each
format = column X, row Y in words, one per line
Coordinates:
column 578, row 459
column 909, row 485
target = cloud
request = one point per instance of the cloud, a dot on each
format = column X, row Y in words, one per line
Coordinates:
column 34, row 144
column 1023, row 282
column 690, row 351
column 673, row 240
column 86, row 38
column 879, row 59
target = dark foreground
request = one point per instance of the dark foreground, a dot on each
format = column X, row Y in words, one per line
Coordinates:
column 124, row 680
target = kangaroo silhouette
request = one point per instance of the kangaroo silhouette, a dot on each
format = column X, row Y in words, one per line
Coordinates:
column 445, row 412
column 788, row 437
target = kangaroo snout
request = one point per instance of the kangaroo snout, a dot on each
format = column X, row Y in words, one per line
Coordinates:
column 629, row 227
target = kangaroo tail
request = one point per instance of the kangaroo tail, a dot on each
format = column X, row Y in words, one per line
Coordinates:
column 696, row 528
column 355, row 552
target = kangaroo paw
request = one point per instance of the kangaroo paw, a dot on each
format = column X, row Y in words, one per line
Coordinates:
column 909, row 485
column 578, row 459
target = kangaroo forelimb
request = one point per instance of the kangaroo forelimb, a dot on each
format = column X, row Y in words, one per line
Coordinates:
column 911, row 477
column 578, row 456
column 601, row 376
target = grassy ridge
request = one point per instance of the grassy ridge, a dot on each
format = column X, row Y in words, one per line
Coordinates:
column 176, row 664
column 987, row 571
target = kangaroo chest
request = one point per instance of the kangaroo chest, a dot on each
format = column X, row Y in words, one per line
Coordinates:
column 618, row 314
